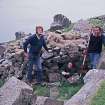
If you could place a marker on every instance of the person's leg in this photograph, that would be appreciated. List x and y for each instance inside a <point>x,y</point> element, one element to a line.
<point>30,68</point>
<point>91,58</point>
<point>96,60</point>
<point>39,71</point>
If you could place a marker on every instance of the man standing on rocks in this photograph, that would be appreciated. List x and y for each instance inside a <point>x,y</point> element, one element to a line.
<point>95,46</point>
<point>36,43</point>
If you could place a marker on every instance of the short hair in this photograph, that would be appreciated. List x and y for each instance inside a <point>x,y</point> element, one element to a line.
<point>98,28</point>
<point>39,27</point>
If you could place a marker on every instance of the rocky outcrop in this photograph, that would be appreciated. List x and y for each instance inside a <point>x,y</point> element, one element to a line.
<point>101,17</point>
<point>16,92</point>
<point>82,26</point>
<point>19,35</point>
<point>59,22</point>
<point>93,80</point>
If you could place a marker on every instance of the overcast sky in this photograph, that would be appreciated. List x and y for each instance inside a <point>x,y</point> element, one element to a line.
<point>24,15</point>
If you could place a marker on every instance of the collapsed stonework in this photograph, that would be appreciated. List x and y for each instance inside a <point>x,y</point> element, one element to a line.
<point>63,48</point>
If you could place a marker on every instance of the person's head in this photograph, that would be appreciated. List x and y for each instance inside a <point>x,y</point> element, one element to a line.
<point>97,30</point>
<point>70,65</point>
<point>39,30</point>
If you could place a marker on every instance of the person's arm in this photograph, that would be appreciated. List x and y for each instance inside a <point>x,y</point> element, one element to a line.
<point>44,45</point>
<point>103,39</point>
<point>25,44</point>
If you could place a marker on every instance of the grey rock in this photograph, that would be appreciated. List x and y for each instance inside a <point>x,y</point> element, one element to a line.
<point>50,101</point>
<point>59,22</point>
<point>94,75</point>
<point>54,77</point>
<point>16,92</point>
<point>54,92</point>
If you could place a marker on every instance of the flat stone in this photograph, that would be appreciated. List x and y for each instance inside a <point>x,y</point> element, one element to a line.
<point>54,92</point>
<point>54,77</point>
<point>53,102</point>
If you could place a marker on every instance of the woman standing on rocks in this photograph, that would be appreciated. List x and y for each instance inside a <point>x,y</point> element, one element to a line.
<point>36,43</point>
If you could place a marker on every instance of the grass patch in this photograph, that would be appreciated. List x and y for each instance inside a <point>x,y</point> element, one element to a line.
<point>1,83</point>
<point>66,91</point>
<point>41,90</point>
<point>99,98</point>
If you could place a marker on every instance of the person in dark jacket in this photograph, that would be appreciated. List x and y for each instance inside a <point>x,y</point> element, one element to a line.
<point>36,43</point>
<point>97,39</point>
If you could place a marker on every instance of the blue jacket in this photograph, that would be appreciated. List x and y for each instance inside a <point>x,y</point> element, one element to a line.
<point>35,44</point>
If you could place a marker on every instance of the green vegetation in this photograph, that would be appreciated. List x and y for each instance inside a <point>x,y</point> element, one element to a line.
<point>1,82</point>
<point>99,98</point>
<point>41,90</point>
<point>96,22</point>
<point>65,89</point>
<point>69,28</point>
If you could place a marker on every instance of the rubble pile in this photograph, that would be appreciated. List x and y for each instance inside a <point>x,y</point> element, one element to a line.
<point>12,62</point>
<point>69,38</point>
<point>63,48</point>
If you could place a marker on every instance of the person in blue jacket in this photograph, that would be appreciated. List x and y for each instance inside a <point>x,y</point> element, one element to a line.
<point>36,42</point>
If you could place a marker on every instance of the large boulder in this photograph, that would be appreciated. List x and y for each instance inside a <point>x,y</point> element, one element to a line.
<point>16,92</point>
<point>93,81</point>
<point>59,22</point>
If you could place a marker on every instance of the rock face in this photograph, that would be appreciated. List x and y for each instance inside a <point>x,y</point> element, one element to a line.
<point>93,80</point>
<point>60,22</point>
<point>16,92</point>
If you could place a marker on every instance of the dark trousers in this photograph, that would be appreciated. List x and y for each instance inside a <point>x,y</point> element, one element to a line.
<point>35,60</point>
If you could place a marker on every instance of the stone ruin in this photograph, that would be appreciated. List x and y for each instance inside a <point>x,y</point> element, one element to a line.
<point>62,50</point>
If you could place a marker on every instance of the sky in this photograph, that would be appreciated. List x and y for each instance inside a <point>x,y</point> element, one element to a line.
<point>24,15</point>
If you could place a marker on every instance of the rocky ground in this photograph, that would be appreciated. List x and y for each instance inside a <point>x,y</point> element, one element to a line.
<point>64,47</point>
